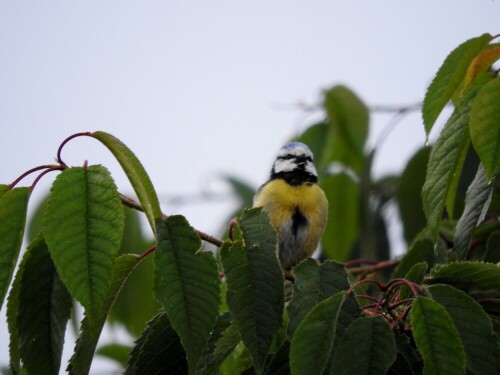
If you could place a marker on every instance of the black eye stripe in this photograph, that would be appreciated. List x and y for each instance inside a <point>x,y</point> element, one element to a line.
<point>289,157</point>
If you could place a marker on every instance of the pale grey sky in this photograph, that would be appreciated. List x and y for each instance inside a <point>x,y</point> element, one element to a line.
<point>198,88</point>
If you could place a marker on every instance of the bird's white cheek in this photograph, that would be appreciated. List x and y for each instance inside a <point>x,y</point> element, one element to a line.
<point>283,166</point>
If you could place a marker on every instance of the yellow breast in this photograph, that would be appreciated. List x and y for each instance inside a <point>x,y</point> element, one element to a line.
<point>281,200</point>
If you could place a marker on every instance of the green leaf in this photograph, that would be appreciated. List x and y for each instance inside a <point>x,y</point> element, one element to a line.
<point>255,292</point>
<point>43,312</point>
<point>348,119</point>
<point>408,360</point>
<point>83,229</point>
<point>368,347</point>
<point>86,344</point>
<point>136,174</point>
<point>13,307</point>
<point>313,340</point>
<point>444,162</point>
<point>485,126</point>
<point>13,207</point>
<point>223,340</point>
<point>416,275</point>
<point>477,201</point>
<point>482,350</point>
<point>186,283</point>
<point>449,77</point>
<point>421,250</point>
<point>139,286</point>
<point>342,228</point>
<point>158,350</point>
<point>467,275</point>
<point>278,363</point>
<point>313,283</point>
<point>437,338</point>
<point>408,194</point>
<point>116,352</point>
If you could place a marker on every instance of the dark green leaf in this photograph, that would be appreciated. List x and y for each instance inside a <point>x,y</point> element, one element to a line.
<point>482,350</point>
<point>87,341</point>
<point>44,310</point>
<point>255,284</point>
<point>368,347</point>
<point>13,207</point>
<point>437,338</point>
<point>158,350</point>
<point>467,275</point>
<point>485,126</point>
<point>279,363</point>
<point>223,339</point>
<point>416,275</point>
<point>477,201</point>
<point>83,229</point>
<point>313,283</point>
<point>408,360</point>
<point>115,352</point>
<point>493,248</point>
<point>187,284</point>
<point>314,337</point>
<point>136,174</point>
<point>408,194</point>
<point>449,77</point>
<point>13,306</point>
<point>444,162</point>
<point>421,250</point>
<point>348,120</point>
<point>342,228</point>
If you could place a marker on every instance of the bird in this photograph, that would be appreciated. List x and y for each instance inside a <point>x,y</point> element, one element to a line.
<point>297,207</point>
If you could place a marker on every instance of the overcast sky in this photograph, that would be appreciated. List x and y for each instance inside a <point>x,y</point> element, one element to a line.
<point>197,89</point>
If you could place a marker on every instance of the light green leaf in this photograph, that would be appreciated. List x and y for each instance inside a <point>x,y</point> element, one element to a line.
<point>445,161</point>
<point>313,283</point>
<point>477,201</point>
<point>348,119</point>
<point>43,312</point>
<point>158,350</point>
<point>186,283</point>
<point>83,228</point>
<point>367,347</point>
<point>482,350</point>
<point>13,207</point>
<point>255,292</point>
<point>485,126</point>
<point>314,337</point>
<point>136,174</point>
<point>449,77</point>
<point>86,343</point>
<point>467,275</point>
<point>437,338</point>
<point>342,228</point>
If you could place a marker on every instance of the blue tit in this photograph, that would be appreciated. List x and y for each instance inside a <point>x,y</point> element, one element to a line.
<point>296,205</point>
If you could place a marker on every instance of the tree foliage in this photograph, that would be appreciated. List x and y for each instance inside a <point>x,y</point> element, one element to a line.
<point>435,310</point>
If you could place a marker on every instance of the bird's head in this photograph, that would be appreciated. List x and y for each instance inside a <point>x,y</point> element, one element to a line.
<point>295,164</point>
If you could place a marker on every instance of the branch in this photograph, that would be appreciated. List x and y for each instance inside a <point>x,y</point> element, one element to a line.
<point>129,202</point>
<point>374,267</point>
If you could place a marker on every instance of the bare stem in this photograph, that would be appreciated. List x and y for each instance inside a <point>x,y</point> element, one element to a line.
<point>32,170</point>
<point>61,146</point>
